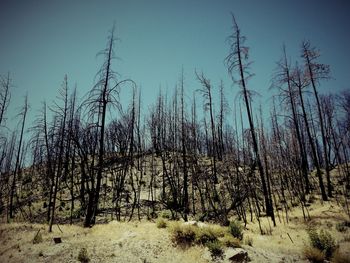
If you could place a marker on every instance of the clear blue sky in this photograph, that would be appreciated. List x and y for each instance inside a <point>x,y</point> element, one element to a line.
<point>41,41</point>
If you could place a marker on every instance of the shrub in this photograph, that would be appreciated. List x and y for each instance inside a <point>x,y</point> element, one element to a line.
<point>76,214</point>
<point>342,226</point>
<point>230,241</point>
<point>215,249</point>
<point>38,238</point>
<point>346,238</point>
<point>314,254</point>
<point>219,231</point>
<point>205,235</point>
<point>322,241</point>
<point>236,229</point>
<point>312,199</point>
<point>83,256</point>
<point>165,214</point>
<point>183,234</point>
<point>161,223</point>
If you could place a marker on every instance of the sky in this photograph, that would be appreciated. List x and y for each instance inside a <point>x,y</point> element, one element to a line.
<point>41,41</point>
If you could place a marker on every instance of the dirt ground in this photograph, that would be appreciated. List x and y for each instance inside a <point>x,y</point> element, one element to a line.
<point>144,242</point>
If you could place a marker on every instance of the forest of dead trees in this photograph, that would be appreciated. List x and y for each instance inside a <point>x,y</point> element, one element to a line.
<point>91,157</point>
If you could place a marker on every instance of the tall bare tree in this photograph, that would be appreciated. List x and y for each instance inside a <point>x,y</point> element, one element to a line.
<point>316,72</point>
<point>23,114</point>
<point>103,95</point>
<point>5,95</point>
<point>237,61</point>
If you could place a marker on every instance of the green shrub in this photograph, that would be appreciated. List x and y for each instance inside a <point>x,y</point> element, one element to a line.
<point>76,214</point>
<point>83,256</point>
<point>342,226</point>
<point>205,235</point>
<point>346,238</point>
<point>236,229</point>
<point>230,241</point>
<point>322,241</point>
<point>312,199</point>
<point>165,214</point>
<point>314,254</point>
<point>183,234</point>
<point>161,223</point>
<point>215,249</point>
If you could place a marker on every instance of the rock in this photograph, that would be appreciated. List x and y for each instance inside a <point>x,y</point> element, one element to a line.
<point>57,240</point>
<point>236,255</point>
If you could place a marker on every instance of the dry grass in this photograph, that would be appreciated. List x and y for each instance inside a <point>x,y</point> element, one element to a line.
<point>145,242</point>
<point>314,254</point>
<point>161,223</point>
<point>230,241</point>
<point>131,242</point>
<point>340,257</point>
<point>183,235</point>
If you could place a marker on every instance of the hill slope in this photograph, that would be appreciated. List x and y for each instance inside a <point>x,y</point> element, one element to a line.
<point>143,242</point>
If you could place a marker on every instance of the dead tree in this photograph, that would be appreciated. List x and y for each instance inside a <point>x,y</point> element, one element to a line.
<point>103,95</point>
<point>184,157</point>
<point>62,113</point>
<point>5,96</point>
<point>208,105</point>
<point>237,60</point>
<point>221,120</point>
<point>23,114</point>
<point>301,83</point>
<point>288,93</point>
<point>316,72</point>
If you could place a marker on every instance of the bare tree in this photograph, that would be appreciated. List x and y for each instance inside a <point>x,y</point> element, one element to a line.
<point>23,114</point>
<point>316,72</point>
<point>237,60</point>
<point>104,94</point>
<point>183,146</point>
<point>5,95</point>
<point>288,92</point>
<point>208,105</point>
<point>301,82</point>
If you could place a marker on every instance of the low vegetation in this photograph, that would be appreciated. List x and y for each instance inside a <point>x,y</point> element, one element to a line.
<point>343,226</point>
<point>183,235</point>
<point>216,249</point>
<point>230,241</point>
<point>322,241</point>
<point>214,237</point>
<point>236,229</point>
<point>340,257</point>
<point>161,223</point>
<point>83,256</point>
<point>314,254</point>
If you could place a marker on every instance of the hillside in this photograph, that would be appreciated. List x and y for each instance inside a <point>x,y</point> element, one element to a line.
<point>143,241</point>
